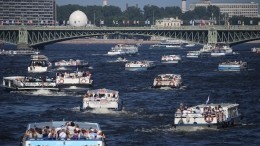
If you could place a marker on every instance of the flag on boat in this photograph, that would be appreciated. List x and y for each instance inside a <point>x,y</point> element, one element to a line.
<point>207,100</point>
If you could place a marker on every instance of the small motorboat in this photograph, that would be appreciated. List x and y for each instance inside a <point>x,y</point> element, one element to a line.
<point>232,66</point>
<point>29,83</point>
<point>101,99</point>
<point>74,79</point>
<point>139,65</point>
<point>167,80</point>
<point>170,58</point>
<point>39,64</point>
<point>217,115</point>
<point>63,133</point>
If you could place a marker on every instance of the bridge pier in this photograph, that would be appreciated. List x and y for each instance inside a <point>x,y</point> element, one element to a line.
<point>212,36</point>
<point>23,39</point>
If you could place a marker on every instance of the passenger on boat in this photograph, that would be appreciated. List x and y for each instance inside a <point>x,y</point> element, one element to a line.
<point>63,134</point>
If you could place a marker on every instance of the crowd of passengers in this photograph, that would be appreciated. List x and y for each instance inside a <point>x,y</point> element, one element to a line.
<point>39,79</point>
<point>166,77</point>
<point>74,75</point>
<point>97,95</point>
<point>184,110</point>
<point>71,131</point>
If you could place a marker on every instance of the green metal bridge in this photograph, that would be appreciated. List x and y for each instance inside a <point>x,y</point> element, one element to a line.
<point>36,37</point>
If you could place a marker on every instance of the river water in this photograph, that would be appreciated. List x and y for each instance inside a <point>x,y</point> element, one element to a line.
<point>148,113</point>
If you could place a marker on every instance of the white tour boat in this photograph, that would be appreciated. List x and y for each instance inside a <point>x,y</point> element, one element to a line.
<point>38,64</point>
<point>207,116</point>
<point>255,50</point>
<point>19,52</point>
<point>122,49</point>
<point>221,50</point>
<point>169,44</point>
<point>170,58</point>
<point>193,54</point>
<point>167,80</point>
<point>232,66</point>
<point>63,133</point>
<point>190,45</point>
<point>74,79</point>
<point>71,63</point>
<point>29,83</point>
<point>139,65</point>
<point>101,99</point>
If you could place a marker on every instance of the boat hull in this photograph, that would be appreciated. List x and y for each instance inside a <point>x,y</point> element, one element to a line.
<point>229,68</point>
<point>92,105</point>
<point>136,68</point>
<point>196,126</point>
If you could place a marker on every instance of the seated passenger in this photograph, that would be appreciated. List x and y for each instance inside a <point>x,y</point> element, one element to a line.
<point>197,110</point>
<point>52,135</point>
<point>63,134</point>
<point>71,127</point>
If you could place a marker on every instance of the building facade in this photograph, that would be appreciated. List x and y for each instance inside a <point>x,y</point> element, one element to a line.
<point>27,12</point>
<point>233,9</point>
<point>168,22</point>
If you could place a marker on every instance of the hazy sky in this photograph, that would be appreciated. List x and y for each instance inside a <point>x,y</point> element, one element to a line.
<point>141,3</point>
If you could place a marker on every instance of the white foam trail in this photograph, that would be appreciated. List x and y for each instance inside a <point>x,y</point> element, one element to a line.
<point>90,67</point>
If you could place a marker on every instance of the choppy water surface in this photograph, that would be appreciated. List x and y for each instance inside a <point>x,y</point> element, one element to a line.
<point>148,115</point>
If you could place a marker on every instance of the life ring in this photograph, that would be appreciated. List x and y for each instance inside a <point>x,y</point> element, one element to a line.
<point>61,81</point>
<point>208,118</point>
<point>83,81</point>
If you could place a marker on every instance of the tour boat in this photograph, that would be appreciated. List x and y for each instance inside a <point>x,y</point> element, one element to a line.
<point>74,79</point>
<point>207,116</point>
<point>232,66</point>
<point>38,64</point>
<point>190,45</point>
<point>19,52</point>
<point>256,50</point>
<point>221,51</point>
<point>29,83</point>
<point>167,80</point>
<point>169,44</point>
<point>139,65</point>
<point>71,63</point>
<point>121,49</point>
<point>101,99</point>
<point>193,54</point>
<point>63,133</point>
<point>170,58</point>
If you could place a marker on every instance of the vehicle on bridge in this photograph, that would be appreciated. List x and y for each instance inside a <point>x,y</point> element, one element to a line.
<point>39,64</point>
<point>123,49</point>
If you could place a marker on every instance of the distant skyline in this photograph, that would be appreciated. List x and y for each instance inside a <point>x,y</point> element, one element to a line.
<point>142,3</point>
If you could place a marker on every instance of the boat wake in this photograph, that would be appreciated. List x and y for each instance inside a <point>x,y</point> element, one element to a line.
<point>41,93</point>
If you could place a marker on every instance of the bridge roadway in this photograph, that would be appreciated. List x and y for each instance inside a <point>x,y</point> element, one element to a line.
<point>36,36</point>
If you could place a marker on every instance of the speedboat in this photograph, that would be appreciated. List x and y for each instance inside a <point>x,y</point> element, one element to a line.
<point>29,83</point>
<point>101,99</point>
<point>232,66</point>
<point>190,45</point>
<point>74,79</point>
<point>167,80</point>
<point>256,50</point>
<point>193,54</point>
<point>63,133</point>
<point>207,116</point>
<point>170,58</point>
<point>38,64</point>
<point>122,49</point>
<point>71,63</point>
<point>121,59</point>
<point>139,65</point>
<point>19,52</point>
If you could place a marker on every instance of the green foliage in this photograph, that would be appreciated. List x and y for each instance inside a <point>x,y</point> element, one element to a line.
<point>114,16</point>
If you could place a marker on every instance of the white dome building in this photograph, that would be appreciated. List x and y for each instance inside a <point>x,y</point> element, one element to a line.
<point>78,19</point>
